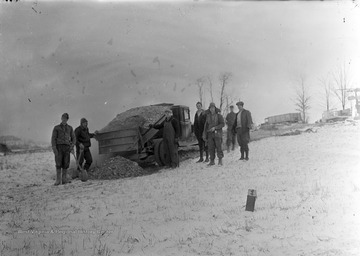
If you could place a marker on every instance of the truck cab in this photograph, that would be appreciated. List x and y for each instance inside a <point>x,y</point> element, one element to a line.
<point>182,114</point>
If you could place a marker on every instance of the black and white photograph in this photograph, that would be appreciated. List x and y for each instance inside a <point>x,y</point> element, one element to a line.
<point>184,127</point>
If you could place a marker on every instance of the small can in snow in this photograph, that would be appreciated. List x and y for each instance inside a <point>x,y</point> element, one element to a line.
<point>250,202</point>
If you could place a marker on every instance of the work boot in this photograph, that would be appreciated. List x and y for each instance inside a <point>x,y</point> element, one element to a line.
<point>64,177</point>
<point>211,163</point>
<point>247,155</point>
<point>242,155</point>
<point>200,160</point>
<point>220,161</point>
<point>207,157</point>
<point>58,177</point>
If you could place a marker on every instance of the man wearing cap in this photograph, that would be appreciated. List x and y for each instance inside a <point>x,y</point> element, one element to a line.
<point>230,136</point>
<point>171,135</point>
<point>241,127</point>
<point>83,145</point>
<point>199,122</point>
<point>62,142</point>
<point>213,133</point>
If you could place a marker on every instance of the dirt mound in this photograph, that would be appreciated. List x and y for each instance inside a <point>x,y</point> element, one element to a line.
<point>136,117</point>
<point>116,168</point>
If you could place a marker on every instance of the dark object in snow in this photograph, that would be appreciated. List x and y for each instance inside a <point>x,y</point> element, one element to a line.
<point>296,132</point>
<point>250,202</point>
<point>4,149</point>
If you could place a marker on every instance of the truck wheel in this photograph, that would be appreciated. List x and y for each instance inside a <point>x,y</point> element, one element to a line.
<point>157,144</point>
<point>159,152</point>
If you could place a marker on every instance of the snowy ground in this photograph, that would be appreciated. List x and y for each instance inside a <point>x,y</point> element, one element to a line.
<point>308,190</point>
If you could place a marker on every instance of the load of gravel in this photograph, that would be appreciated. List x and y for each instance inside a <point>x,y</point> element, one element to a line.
<point>116,168</point>
<point>136,117</point>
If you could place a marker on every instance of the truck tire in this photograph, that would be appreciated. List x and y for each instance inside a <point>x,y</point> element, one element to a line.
<point>159,152</point>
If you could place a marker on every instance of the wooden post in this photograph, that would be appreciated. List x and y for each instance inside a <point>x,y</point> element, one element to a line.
<point>251,198</point>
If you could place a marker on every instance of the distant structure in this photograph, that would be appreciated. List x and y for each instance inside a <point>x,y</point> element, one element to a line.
<point>355,112</point>
<point>272,121</point>
<point>285,118</point>
<point>334,115</point>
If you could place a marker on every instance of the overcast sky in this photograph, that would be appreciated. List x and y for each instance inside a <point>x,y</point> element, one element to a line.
<point>97,59</point>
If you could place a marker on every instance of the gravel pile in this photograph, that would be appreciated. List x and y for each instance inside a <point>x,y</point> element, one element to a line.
<point>116,168</point>
<point>136,117</point>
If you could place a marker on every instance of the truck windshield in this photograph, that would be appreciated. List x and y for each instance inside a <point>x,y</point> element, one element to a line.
<point>186,114</point>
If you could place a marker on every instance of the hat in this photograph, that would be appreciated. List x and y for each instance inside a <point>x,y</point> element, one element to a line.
<point>212,104</point>
<point>83,120</point>
<point>240,103</point>
<point>66,115</point>
<point>168,110</point>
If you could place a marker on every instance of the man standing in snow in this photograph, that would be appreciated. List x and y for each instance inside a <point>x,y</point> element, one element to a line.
<point>230,136</point>
<point>241,127</point>
<point>62,142</point>
<point>83,145</point>
<point>199,122</point>
<point>171,135</point>
<point>213,133</point>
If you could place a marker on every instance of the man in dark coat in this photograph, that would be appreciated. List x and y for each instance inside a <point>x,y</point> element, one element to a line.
<point>83,144</point>
<point>241,127</point>
<point>62,142</point>
<point>230,136</point>
<point>199,122</point>
<point>171,133</point>
<point>213,133</point>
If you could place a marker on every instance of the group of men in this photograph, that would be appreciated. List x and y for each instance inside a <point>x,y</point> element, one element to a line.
<point>63,140</point>
<point>208,126</point>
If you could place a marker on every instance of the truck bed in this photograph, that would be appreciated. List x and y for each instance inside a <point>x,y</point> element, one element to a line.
<point>121,141</point>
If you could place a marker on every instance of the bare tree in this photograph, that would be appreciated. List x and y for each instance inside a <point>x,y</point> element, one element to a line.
<point>211,89</point>
<point>228,102</point>
<point>200,82</point>
<point>326,88</point>
<point>302,100</point>
<point>341,85</point>
<point>224,79</point>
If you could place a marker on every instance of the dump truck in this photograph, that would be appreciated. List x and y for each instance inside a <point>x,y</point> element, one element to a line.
<point>145,144</point>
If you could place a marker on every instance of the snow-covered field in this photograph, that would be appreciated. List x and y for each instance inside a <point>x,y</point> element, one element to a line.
<point>308,189</point>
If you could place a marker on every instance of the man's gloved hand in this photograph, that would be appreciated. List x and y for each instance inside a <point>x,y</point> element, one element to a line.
<point>81,146</point>
<point>55,150</point>
<point>96,133</point>
<point>212,129</point>
<point>176,140</point>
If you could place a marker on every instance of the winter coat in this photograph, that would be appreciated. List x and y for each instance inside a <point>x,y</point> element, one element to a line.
<point>246,121</point>
<point>213,120</point>
<point>166,133</point>
<point>63,135</point>
<point>199,122</point>
<point>83,136</point>
<point>230,119</point>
